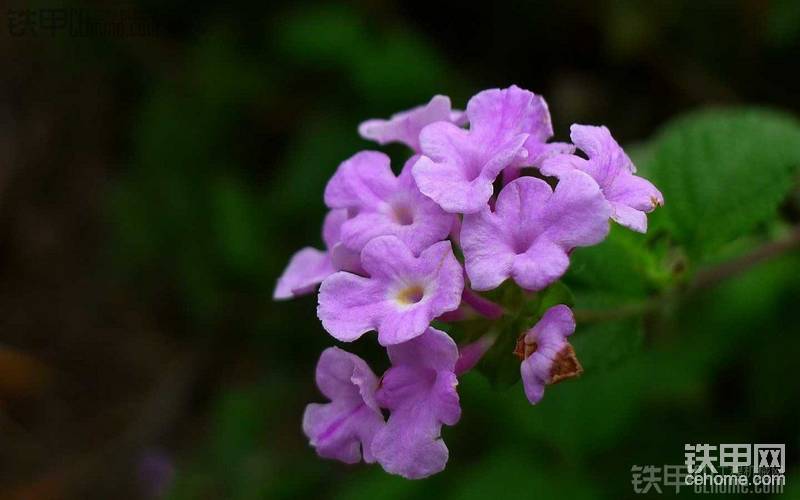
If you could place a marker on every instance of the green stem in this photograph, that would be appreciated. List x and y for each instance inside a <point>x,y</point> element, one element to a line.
<point>705,279</point>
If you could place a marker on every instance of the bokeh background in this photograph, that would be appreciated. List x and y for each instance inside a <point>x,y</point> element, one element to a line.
<point>152,188</point>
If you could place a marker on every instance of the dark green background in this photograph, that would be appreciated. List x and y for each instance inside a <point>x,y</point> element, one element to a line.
<point>153,188</point>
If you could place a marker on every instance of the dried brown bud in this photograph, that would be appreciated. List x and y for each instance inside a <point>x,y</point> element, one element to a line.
<point>565,365</point>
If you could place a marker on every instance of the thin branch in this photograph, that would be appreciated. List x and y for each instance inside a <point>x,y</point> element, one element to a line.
<point>714,275</point>
<point>706,278</point>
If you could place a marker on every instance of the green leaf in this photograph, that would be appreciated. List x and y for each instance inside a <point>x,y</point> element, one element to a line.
<point>622,264</point>
<point>722,172</point>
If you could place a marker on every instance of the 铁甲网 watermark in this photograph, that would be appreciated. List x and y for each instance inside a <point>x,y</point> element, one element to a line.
<point>724,468</point>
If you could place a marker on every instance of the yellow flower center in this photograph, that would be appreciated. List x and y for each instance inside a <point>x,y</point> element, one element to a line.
<point>410,295</point>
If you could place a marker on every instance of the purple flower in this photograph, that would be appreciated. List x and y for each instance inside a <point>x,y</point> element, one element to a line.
<point>309,266</point>
<point>529,235</point>
<point>345,427</point>
<point>420,391</point>
<point>458,167</point>
<point>382,204</point>
<point>546,355</point>
<point>405,126</point>
<point>630,196</point>
<point>401,296</point>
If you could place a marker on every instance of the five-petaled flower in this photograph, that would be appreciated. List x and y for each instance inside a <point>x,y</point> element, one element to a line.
<point>399,299</point>
<point>531,231</point>
<point>631,197</point>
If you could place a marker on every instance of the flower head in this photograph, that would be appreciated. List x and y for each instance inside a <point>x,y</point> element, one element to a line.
<point>458,167</point>
<point>309,266</point>
<point>401,296</point>
<point>390,265</point>
<point>529,235</point>
<point>405,126</point>
<point>382,204</point>
<point>631,197</point>
<point>345,427</point>
<point>420,392</point>
<point>546,355</point>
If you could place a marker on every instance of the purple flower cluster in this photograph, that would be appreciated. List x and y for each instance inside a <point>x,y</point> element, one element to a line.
<point>390,263</point>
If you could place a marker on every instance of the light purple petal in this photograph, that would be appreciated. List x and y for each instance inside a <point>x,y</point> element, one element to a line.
<point>496,115</point>
<point>405,126</point>
<point>345,427</point>
<point>458,117</point>
<point>533,228</point>
<point>458,167</point>
<point>332,227</point>
<point>578,206</point>
<point>489,253</point>
<point>548,340</point>
<point>350,305</point>
<point>344,259</point>
<point>364,180</point>
<point>559,165</point>
<point>435,350</point>
<point>542,264</point>
<point>420,392</point>
<point>401,296</point>
<point>307,268</point>
<point>631,198</point>
<point>597,142</point>
<point>631,218</point>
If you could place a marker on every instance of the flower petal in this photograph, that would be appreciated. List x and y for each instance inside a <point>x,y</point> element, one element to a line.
<point>307,268</point>
<point>332,227</point>
<point>364,180</point>
<point>350,305</point>
<point>405,126</point>
<point>499,114</point>
<point>543,263</point>
<point>577,212</point>
<point>489,257</point>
